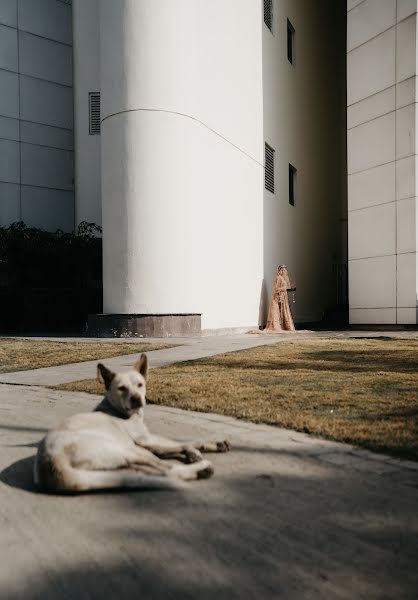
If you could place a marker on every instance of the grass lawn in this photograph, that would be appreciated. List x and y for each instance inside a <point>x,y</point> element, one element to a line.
<point>19,355</point>
<point>362,391</point>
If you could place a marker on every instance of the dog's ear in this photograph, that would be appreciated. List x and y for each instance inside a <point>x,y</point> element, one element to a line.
<point>142,365</point>
<point>105,375</point>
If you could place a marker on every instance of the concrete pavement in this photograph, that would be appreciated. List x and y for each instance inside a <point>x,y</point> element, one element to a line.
<point>286,515</point>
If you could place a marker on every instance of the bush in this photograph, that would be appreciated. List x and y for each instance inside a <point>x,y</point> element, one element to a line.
<point>49,282</point>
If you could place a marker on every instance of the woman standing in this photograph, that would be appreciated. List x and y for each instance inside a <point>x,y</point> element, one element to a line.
<point>280,316</point>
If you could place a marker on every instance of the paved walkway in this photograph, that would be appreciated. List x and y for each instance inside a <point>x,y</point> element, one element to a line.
<point>285,516</point>
<point>188,349</point>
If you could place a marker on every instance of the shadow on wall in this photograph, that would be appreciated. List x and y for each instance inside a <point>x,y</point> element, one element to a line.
<point>263,305</point>
<point>262,533</point>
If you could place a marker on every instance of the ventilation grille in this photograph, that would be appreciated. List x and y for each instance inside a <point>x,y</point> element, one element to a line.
<point>94,113</point>
<point>269,168</point>
<point>268,13</point>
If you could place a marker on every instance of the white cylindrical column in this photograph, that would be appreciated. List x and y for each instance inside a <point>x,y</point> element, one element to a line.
<point>182,173</point>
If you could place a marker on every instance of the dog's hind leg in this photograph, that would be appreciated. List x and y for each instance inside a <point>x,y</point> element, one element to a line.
<point>82,480</point>
<point>144,461</point>
<point>198,470</point>
<point>65,478</point>
<point>57,474</point>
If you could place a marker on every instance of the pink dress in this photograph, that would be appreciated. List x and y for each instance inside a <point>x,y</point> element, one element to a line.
<point>279,315</point>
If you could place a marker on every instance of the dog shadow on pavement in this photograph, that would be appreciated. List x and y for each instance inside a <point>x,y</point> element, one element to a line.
<point>20,474</point>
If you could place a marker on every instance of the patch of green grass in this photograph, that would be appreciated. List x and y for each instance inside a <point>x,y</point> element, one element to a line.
<point>361,391</point>
<point>20,355</point>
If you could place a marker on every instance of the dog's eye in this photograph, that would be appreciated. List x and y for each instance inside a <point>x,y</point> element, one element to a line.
<point>140,384</point>
<point>122,388</point>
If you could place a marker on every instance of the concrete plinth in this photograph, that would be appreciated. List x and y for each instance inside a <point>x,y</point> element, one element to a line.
<point>115,325</point>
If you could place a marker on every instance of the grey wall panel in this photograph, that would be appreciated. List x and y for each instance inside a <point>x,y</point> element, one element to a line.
<point>45,102</point>
<point>9,161</point>
<point>8,12</point>
<point>9,94</point>
<point>9,129</point>
<point>36,114</point>
<point>8,48</point>
<point>10,203</point>
<point>45,135</point>
<point>47,167</point>
<point>48,209</point>
<point>45,59</point>
<point>47,18</point>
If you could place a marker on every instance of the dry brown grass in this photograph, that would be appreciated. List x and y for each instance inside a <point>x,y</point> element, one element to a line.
<point>362,391</point>
<point>20,355</point>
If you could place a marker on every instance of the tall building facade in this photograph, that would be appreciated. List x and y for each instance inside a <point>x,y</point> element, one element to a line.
<point>36,114</point>
<point>211,145</point>
<point>382,160</point>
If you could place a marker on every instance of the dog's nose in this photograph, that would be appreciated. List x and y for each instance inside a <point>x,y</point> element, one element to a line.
<point>136,401</point>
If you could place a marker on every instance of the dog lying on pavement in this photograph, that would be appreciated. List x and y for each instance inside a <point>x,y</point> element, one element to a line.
<point>112,447</point>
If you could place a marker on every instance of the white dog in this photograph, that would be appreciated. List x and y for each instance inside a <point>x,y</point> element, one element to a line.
<point>112,447</point>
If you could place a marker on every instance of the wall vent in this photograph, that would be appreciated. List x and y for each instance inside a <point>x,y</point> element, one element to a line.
<point>269,168</point>
<point>94,113</point>
<point>268,14</point>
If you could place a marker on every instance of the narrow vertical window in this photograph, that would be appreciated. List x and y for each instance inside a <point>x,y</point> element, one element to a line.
<point>269,168</point>
<point>94,113</point>
<point>292,184</point>
<point>268,14</point>
<point>290,43</point>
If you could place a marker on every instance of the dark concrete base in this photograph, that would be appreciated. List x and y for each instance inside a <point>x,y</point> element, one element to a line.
<point>393,327</point>
<point>109,326</point>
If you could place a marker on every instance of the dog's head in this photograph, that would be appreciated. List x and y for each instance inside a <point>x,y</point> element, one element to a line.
<point>125,391</point>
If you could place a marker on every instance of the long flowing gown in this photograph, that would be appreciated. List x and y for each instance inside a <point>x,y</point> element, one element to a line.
<point>279,315</point>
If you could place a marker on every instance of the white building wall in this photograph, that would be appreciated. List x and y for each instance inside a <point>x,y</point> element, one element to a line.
<point>182,158</point>
<point>304,121</point>
<point>36,122</point>
<point>382,149</point>
<point>88,205</point>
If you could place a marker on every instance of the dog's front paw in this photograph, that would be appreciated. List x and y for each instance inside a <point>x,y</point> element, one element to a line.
<point>223,446</point>
<point>192,455</point>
